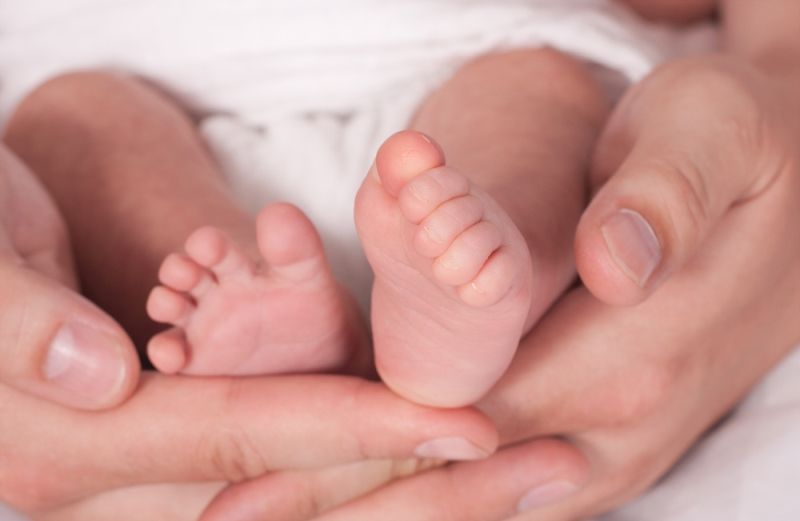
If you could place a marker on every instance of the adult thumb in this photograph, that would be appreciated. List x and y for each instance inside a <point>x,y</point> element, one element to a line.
<point>56,345</point>
<point>674,159</point>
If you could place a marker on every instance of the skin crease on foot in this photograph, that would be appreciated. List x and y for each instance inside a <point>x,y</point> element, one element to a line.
<point>236,313</point>
<point>453,279</point>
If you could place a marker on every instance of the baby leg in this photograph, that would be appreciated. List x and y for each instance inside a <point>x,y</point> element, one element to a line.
<point>470,252</point>
<point>135,181</point>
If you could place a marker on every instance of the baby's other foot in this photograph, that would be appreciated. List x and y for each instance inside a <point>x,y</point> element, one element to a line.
<point>237,315</point>
<point>453,274</point>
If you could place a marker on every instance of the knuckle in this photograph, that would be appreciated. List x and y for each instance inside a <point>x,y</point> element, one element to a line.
<point>700,82</point>
<point>232,455</point>
<point>228,447</point>
<point>684,201</point>
<point>736,112</point>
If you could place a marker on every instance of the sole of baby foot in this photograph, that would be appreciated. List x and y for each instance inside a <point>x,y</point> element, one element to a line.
<point>453,275</point>
<point>233,314</point>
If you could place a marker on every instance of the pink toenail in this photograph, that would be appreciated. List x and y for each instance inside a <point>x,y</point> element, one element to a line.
<point>373,172</point>
<point>433,142</point>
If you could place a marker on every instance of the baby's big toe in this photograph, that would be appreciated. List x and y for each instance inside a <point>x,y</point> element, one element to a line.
<point>404,156</point>
<point>290,244</point>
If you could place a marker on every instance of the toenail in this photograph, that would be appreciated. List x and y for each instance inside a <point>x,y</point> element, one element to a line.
<point>476,288</point>
<point>373,172</point>
<point>85,361</point>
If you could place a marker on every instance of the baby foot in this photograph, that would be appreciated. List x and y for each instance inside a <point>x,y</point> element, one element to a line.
<point>453,274</point>
<point>235,315</point>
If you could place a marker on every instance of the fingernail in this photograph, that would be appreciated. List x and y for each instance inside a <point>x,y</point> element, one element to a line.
<point>633,245</point>
<point>84,361</point>
<point>453,448</point>
<point>546,494</point>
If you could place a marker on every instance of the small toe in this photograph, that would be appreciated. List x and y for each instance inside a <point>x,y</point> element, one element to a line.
<point>180,272</point>
<point>290,244</point>
<point>437,232</point>
<point>405,155</point>
<point>168,306</point>
<point>426,192</point>
<point>493,282</point>
<point>213,249</point>
<point>467,254</point>
<point>168,351</point>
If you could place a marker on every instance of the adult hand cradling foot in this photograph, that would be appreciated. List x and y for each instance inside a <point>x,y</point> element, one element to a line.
<point>688,250</point>
<point>705,151</point>
<point>55,344</point>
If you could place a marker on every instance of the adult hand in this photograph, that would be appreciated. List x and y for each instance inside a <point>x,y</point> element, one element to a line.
<point>705,151</point>
<point>54,343</point>
<point>184,430</point>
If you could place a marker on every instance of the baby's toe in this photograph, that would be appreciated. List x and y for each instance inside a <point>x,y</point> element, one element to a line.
<point>213,249</point>
<point>437,232</point>
<point>404,156</point>
<point>180,272</point>
<point>168,306</point>
<point>168,351</point>
<point>426,192</point>
<point>465,257</point>
<point>494,280</point>
<point>289,243</point>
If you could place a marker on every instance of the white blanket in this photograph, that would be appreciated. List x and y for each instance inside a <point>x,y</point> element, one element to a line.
<point>294,97</point>
<point>297,94</point>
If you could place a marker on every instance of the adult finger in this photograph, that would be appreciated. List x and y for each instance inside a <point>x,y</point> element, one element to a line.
<point>189,429</point>
<point>682,148</point>
<point>162,501</point>
<point>590,365</point>
<point>298,496</point>
<point>516,479</point>
<point>58,346</point>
